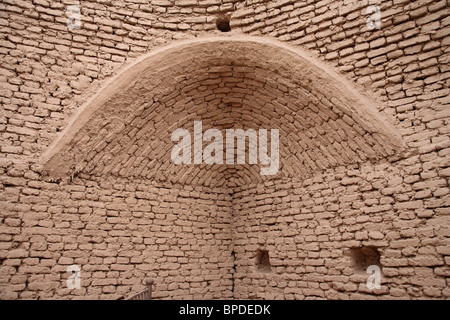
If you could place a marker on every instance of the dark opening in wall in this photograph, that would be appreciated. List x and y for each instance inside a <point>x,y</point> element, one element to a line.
<point>223,23</point>
<point>263,261</point>
<point>364,257</point>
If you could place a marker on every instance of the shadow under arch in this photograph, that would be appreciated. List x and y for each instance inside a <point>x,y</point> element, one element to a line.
<point>227,82</point>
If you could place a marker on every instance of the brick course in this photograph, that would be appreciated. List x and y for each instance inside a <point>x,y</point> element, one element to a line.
<point>123,212</point>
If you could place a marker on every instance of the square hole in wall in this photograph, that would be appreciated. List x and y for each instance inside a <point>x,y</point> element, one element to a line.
<point>364,257</point>
<point>263,261</point>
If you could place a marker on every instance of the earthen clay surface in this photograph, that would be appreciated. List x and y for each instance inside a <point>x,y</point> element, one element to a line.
<point>85,171</point>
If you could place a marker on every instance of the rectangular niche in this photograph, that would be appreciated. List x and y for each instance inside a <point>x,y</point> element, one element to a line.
<point>364,257</point>
<point>263,261</point>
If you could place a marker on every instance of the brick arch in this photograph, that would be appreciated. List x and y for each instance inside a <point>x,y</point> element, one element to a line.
<point>227,82</point>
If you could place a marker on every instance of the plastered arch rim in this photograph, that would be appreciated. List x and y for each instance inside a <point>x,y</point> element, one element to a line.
<point>365,106</point>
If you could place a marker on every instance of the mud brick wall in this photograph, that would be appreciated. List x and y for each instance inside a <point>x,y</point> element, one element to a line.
<point>310,227</point>
<point>119,234</point>
<point>228,233</point>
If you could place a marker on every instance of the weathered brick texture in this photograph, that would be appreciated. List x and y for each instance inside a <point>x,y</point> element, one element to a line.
<point>123,212</point>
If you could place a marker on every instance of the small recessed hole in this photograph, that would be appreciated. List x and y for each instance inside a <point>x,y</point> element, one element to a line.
<point>263,261</point>
<point>364,257</point>
<point>223,23</point>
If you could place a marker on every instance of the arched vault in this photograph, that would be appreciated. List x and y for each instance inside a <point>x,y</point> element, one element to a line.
<point>225,82</point>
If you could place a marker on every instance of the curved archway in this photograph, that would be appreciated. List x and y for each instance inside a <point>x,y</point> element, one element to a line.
<point>232,82</point>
